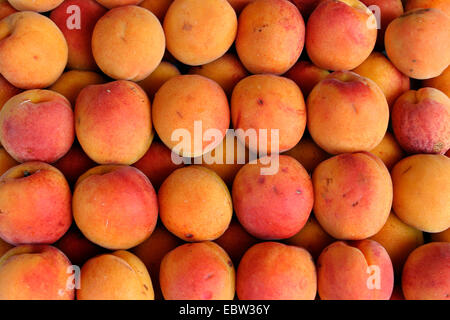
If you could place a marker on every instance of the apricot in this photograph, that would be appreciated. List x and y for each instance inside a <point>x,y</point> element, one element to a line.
<point>227,71</point>
<point>308,153</point>
<point>128,43</point>
<point>380,70</point>
<point>353,195</point>
<point>77,248</point>
<point>35,204</point>
<point>32,5</point>
<point>157,163</point>
<point>274,206</point>
<point>356,270</point>
<point>306,75</point>
<point>158,7</point>
<point>388,10</point>
<point>7,91</point>
<point>197,271</point>
<point>426,274</point>
<point>152,251</point>
<point>35,272</point>
<point>421,121</point>
<point>113,122</point>
<point>33,51</point>
<point>442,5</point>
<point>399,240</point>
<point>422,192</point>
<point>118,3</point>
<point>185,109</point>
<point>227,158</point>
<point>6,9</point>
<point>443,236</point>
<point>72,82</point>
<point>198,31</point>
<point>270,37</point>
<point>347,113</point>
<point>441,82</point>
<point>236,241</point>
<point>119,275</point>
<point>37,125</point>
<point>389,151</point>
<point>158,77</point>
<point>76,19</point>
<point>312,237</point>
<point>417,43</point>
<point>6,161</point>
<point>115,206</point>
<point>275,271</point>
<point>186,212</point>
<point>266,104</point>
<point>339,35</point>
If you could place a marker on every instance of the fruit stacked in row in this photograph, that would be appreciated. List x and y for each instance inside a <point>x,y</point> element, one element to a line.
<point>117,155</point>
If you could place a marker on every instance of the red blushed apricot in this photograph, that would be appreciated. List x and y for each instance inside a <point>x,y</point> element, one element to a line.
<point>119,275</point>
<point>426,274</point>
<point>77,26</point>
<point>113,122</point>
<point>185,109</point>
<point>388,11</point>
<point>275,271</point>
<point>306,75</point>
<point>157,78</point>
<point>417,43</point>
<point>197,271</point>
<point>74,164</point>
<point>356,270</point>
<point>157,164</point>
<point>389,151</point>
<point>153,250</point>
<point>33,51</point>
<point>115,206</point>
<point>353,195</point>
<point>308,153</point>
<point>399,240</point>
<point>441,82</point>
<point>443,236</point>
<point>38,6</point>
<point>7,91</point>
<point>442,5</point>
<point>347,113</point>
<point>4,247</point>
<point>306,7</point>
<point>186,212</point>
<point>274,206</point>
<point>35,272</point>
<point>381,71</point>
<point>128,43</point>
<point>227,71</point>
<point>266,103</point>
<point>72,82</point>
<point>37,125</point>
<point>199,31</point>
<point>270,37</point>
<point>236,241</point>
<point>6,9</point>
<point>34,204</point>
<point>118,3</point>
<point>421,121</point>
<point>339,35</point>
<point>227,158</point>
<point>312,237</point>
<point>6,161</point>
<point>77,248</point>
<point>158,7</point>
<point>422,191</point>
